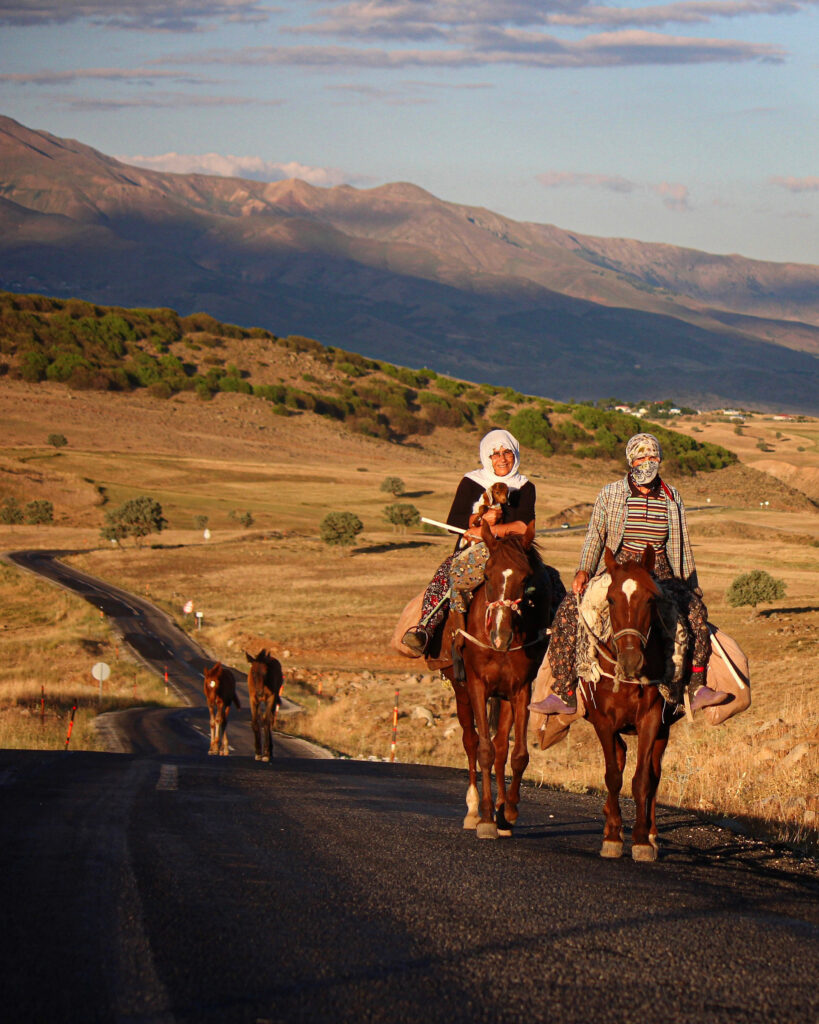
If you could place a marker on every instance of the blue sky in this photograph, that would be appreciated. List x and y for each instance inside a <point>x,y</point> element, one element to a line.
<point>693,122</point>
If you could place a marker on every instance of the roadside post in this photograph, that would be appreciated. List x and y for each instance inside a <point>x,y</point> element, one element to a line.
<point>42,706</point>
<point>199,617</point>
<point>166,680</point>
<point>70,726</point>
<point>394,727</point>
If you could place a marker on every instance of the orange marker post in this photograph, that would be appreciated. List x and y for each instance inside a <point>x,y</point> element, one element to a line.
<point>166,679</point>
<point>394,727</point>
<point>70,727</point>
<point>42,705</point>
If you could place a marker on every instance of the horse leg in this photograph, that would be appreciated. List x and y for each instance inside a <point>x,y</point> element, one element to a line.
<point>214,747</point>
<point>224,749</point>
<point>470,741</point>
<point>267,723</point>
<point>644,786</point>
<point>254,724</point>
<point>657,752</point>
<point>520,754</point>
<point>501,745</point>
<point>486,827</point>
<point>614,752</point>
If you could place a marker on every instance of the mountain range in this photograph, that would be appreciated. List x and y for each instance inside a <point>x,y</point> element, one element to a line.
<point>395,273</point>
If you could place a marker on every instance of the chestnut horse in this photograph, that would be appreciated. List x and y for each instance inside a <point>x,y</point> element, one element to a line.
<point>501,647</point>
<point>627,700</point>
<point>264,686</point>
<point>220,692</point>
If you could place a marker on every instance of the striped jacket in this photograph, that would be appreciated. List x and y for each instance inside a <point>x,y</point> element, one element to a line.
<point>608,523</point>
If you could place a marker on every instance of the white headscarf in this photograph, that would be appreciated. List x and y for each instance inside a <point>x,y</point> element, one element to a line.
<point>486,476</point>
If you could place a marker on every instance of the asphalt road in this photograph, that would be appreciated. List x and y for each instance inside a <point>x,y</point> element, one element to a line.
<point>156,640</point>
<point>220,889</point>
<point>162,887</point>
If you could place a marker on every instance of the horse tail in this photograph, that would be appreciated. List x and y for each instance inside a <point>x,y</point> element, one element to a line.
<point>493,714</point>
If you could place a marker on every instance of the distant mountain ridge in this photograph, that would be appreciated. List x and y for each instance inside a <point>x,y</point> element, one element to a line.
<point>395,273</point>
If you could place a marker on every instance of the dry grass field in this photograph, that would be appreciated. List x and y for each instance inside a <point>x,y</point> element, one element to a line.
<point>328,614</point>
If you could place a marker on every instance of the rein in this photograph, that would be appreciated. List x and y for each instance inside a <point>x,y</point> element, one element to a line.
<point>487,647</point>
<point>601,647</point>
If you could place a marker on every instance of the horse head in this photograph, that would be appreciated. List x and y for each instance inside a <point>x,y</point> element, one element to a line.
<point>631,597</point>
<point>506,573</point>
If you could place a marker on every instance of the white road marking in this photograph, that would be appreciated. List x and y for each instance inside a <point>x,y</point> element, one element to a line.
<point>168,777</point>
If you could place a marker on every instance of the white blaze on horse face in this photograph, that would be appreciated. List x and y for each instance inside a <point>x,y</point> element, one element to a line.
<point>213,684</point>
<point>629,587</point>
<point>499,611</point>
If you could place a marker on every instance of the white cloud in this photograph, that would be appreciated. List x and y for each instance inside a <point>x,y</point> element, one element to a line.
<point>673,195</point>
<point>164,15</point>
<point>252,167</point>
<point>613,183</point>
<point>797,184</point>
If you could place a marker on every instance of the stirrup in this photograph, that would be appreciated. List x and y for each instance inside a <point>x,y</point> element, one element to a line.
<point>417,639</point>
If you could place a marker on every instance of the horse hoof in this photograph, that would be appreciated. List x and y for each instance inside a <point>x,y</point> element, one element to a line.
<point>654,839</point>
<point>487,830</point>
<point>504,826</point>
<point>266,757</point>
<point>258,757</point>
<point>611,848</point>
<point>644,852</point>
<point>471,820</point>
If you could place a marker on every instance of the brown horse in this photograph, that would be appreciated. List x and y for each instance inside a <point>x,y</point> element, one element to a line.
<point>626,700</point>
<point>220,692</point>
<point>501,647</point>
<point>264,686</point>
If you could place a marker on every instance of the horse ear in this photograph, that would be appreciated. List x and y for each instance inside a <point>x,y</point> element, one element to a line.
<point>251,660</point>
<point>529,536</point>
<point>608,558</point>
<point>487,536</point>
<point>649,559</point>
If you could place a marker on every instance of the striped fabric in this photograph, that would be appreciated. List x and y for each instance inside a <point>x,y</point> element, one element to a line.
<point>607,526</point>
<point>646,523</point>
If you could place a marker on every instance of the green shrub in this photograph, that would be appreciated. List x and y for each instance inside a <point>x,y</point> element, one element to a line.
<point>393,485</point>
<point>402,515</point>
<point>136,518</point>
<point>10,512</point>
<point>39,511</point>
<point>753,588</point>
<point>57,440</point>
<point>340,528</point>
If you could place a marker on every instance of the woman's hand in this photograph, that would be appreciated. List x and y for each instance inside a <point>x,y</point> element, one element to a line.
<point>581,578</point>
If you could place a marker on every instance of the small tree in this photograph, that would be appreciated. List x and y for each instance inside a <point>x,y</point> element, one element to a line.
<point>340,528</point>
<point>58,440</point>
<point>393,485</point>
<point>10,512</point>
<point>40,511</point>
<point>402,515</point>
<point>246,519</point>
<point>200,522</point>
<point>136,518</point>
<point>753,588</point>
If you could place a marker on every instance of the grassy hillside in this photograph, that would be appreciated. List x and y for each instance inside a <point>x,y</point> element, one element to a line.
<point>101,348</point>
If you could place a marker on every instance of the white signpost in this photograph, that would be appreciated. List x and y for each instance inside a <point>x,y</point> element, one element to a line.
<point>199,616</point>
<point>101,671</point>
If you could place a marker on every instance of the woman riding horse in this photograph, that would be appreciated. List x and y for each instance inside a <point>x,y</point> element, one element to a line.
<point>463,570</point>
<point>636,510</point>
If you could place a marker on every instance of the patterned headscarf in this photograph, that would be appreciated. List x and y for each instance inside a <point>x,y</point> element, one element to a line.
<point>641,446</point>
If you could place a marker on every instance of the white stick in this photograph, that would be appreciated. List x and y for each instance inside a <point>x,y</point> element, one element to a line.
<point>444,526</point>
<point>721,652</point>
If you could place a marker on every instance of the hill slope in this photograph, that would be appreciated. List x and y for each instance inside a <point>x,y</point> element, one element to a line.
<point>395,273</point>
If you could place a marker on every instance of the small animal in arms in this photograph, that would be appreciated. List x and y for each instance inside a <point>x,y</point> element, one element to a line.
<point>495,496</point>
<point>220,693</point>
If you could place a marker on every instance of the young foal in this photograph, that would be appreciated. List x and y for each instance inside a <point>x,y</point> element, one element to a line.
<point>636,655</point>
<point>220,692</point>
<point>503,647</point>
<point>264,685</point>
